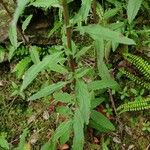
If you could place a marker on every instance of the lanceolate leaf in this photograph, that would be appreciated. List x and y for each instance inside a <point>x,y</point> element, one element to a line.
<point>103,84</point>
<point>63,97</point>
<point>97,32</point>
<point>132,9</point>
<point>2,54</point>
<point>97,101</point>
<point>26,22</point>
<point>47,90</point>
<point>84,99</point>
<point>34,54</point>
<point>3,143</point>
<point>61,130</point>
<point>65,137</point>
<point>33,71</point>
<point>82,52</point>
<point>78,126</point>
<point>111,13</point>
<point>101,66</point>
<point>21,4</point>
<point>100,122</point>
<point>22,140</point>
<point>22,66</point>
<point>49,146</point>
<point>13,36</point>
<point>58,68</point>
<point>83,12</point>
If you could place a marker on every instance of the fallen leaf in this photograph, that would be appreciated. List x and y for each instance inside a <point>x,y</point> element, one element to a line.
<point>64,147</point>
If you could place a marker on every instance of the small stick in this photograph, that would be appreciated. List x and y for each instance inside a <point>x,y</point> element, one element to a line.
<point>115,110</point>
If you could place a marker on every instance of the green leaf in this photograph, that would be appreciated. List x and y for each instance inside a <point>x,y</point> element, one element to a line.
<point>102,68</point>
<point>3,143</point>
<point>78,126</point>
<point>65,137</point>
<point>26,22</point>
<point>97,101</point>
<point>84,100</point>
<point>33,71</point>
<point>21,67</point>
<point>98,31</point>
<point>83,12</point>
<point>13,36</point>
<point>110,13</point>
<point>45,3</point>
<point>132,9</point>
<point>61,130</point>
<point>11,51</point>
<point>21,4</point>
<point>82,52</point>
<point>100,122</point>
<point>47,90</point>
<point>58,68</point>
<point>57,25</point>
<point>22,139</point>
<point>82,72</point>
<point>2,54</point>
<point>49,145</point>
<point>116,26</point>
<point>63,97</point>
<point>103,84</point>
<point>64,110</point>
<point>34,54</point>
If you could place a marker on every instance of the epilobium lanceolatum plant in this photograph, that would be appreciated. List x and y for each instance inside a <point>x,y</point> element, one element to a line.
<point>79,87</point>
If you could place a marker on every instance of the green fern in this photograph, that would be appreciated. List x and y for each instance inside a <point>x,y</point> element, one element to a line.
<point>136,79</point>
<point>135,105</point>
<point>143,67</point>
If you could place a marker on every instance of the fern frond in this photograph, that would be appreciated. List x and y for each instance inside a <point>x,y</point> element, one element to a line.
<point>136,79</point>
<point>137,105</point>
<point>142,65</point>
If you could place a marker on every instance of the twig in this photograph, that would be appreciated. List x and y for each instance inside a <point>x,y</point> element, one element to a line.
<point>115,110</point>
<point>148,147</point>
<point>112,101</point>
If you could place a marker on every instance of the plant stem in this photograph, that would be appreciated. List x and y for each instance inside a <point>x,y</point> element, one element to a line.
<point>94,11</point>
<point>72,62</point>
<point>10,15</point>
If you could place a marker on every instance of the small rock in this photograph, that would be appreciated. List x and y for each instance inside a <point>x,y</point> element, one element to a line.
<point>46,115</point>
<point>1,83</point>
<point>131,147</point>
<point>31,119</point>
<point>116,140</point>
